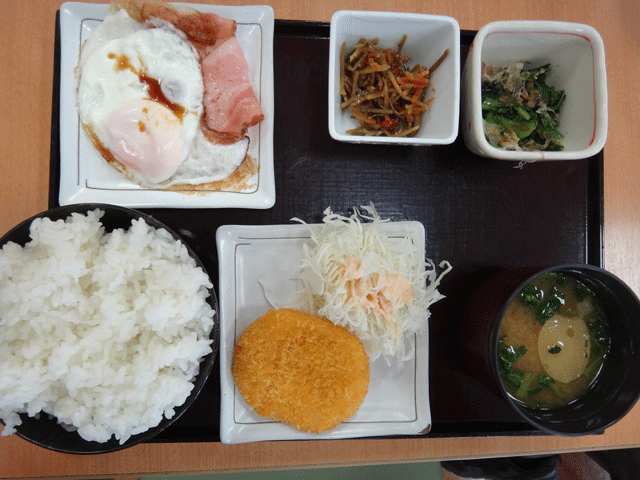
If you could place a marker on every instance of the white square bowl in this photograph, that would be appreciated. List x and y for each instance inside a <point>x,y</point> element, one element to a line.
<point>428,36</point>
<point>576,54</point>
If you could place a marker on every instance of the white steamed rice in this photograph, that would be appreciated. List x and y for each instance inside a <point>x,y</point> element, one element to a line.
<point>103,331</point>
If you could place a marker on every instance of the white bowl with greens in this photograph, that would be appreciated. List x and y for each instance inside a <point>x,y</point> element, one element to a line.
<point>535,90</point>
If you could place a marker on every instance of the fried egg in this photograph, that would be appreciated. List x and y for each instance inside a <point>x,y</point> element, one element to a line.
<point>139,97</point>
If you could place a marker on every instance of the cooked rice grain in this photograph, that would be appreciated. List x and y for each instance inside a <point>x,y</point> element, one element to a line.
<point>103,331</point>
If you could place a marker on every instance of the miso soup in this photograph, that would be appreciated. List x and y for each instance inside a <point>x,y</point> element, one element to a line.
<point>553,341</point>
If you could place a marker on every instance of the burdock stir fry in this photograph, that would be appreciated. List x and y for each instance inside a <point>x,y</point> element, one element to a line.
<point>520,110</point>
<point>385,95</point>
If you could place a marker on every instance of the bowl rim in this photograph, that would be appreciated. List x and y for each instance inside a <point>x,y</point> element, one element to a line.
<point>600,87</point>
<point>454,52</point>
<point>521,410</point>
<point>206,363</point>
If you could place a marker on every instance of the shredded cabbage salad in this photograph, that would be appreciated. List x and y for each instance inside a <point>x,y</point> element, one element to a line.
<point>377,287</point>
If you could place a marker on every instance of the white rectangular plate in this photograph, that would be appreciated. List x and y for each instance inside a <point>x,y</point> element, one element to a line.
<point>86,177</point>
<point>251,256</point>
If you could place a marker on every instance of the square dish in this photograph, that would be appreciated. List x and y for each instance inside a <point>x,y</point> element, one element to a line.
<point>252,256</point>
<point>86,177</point>
<point>576,55</point>
<point>428,36</point>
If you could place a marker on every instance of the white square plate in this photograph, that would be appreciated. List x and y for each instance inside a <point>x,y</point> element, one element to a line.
<point>86,177</point>
<point>251,256</point>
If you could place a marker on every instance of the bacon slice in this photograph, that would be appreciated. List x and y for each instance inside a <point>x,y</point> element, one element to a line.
<point>230,104</point>
<point>203,29</point>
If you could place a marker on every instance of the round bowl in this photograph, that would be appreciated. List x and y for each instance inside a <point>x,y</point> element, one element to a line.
<point>44,430</point>
<point>616,388</point>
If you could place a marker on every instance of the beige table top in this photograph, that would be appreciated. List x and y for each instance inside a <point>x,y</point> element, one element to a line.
<point>26,73</point>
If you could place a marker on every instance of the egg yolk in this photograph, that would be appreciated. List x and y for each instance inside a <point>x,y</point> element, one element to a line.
<point>147,137</point>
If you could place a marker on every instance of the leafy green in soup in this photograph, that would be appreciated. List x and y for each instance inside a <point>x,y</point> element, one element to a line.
<point>553,341</point>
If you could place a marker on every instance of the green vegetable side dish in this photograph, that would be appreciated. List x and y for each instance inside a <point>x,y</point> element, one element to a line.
<point>519,109</point>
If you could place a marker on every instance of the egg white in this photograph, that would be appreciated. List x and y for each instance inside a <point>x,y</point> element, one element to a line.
<point>108,83</point>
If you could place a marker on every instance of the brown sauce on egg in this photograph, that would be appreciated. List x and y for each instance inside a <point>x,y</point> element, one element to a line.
<point>104,151</point>
<point>122,62</point>
<point>155,94</point>
<point>153,85</point>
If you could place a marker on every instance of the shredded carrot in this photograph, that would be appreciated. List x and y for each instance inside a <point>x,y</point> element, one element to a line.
<point>416,95</point>
<point>381,92</point>
<point>362,118</point>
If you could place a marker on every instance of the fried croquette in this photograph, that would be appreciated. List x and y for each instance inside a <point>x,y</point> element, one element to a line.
<point>301,369</point>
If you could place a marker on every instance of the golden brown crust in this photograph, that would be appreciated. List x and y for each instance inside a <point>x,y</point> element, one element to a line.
<point>301,369</point>
<point>238,181</point>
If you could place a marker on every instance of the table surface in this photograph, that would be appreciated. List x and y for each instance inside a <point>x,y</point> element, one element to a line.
<point>27,39</point>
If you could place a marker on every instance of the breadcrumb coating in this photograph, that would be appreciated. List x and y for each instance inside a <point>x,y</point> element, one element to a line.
<point>301,369</point>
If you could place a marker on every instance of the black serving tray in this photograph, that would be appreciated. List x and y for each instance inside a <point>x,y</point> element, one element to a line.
<point>481,215</point>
